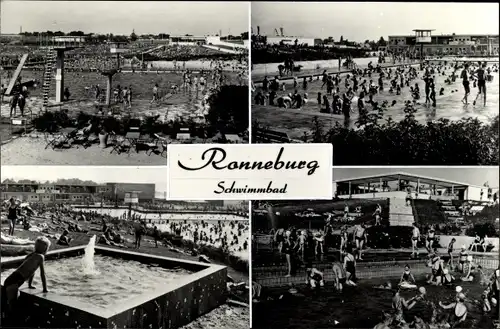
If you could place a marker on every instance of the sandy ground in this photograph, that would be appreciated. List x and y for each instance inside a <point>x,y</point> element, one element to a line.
<point>223,317</point>
<point>31,151</point>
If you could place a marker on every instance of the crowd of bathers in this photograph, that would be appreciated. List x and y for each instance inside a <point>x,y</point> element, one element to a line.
<point>368,89</point>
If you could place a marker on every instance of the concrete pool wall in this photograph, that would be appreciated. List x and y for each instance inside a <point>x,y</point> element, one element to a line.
<point>274,276</point>
<point>169,306</point>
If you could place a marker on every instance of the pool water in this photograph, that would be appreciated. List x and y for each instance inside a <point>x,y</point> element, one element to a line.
<point>357,307</point>
<point>116,279</point>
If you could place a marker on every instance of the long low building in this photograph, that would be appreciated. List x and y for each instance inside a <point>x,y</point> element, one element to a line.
<point>474,44</point>
<point>397,184</point>
<point>74,193</point>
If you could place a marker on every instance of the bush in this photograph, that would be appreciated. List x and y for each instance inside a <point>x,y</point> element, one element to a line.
<point>51,121</point>
<point>273,54</point>
<point>228,111</point>
<point>408,142</point>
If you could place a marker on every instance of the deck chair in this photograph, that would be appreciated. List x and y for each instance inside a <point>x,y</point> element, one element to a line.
<point>151,143</point>
<point>120,145</point>
<point>161,145</point>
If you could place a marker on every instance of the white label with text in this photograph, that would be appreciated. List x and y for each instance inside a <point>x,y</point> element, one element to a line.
<point>255,171</point>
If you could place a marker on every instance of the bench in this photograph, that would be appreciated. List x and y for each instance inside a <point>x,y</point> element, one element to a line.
<point>270,136</point>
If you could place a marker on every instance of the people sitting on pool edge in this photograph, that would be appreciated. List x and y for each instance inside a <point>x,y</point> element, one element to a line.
<point>407,278</point>
<point>26,271</point>
<point>314,276</point>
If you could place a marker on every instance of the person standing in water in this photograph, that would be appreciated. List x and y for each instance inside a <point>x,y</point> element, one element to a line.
<point>340,275</point>
<point>350,266</point>
<point>466,83</point>
<point>360,239</point>
<point>481,74</point>
<point>415,237</point>
<point>450,252</point>
<point>12,215</point>
<point>431,236</point>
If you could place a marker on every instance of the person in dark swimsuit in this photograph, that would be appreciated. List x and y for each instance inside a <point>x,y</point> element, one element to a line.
<point>340,275</point>
<point>481,83</point>
<point>465,82</point>
<point>314,277</point>
<point>287,250</point>
<point>462,259</point>
<point>431,236</point>
<point>459,310</point>
<point>12,215</point>
<point>450,252</point>
<point>407,276</point>
<point>350,265</point>
<point>437,270</point>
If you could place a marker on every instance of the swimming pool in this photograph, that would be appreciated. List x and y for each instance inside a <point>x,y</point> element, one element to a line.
<point>356,307</point>
<point>116,280</point>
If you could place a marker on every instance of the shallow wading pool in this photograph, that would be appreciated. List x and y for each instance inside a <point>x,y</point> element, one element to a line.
<point>358,307</point>
<point>132,290</point>
<point>116,279</point>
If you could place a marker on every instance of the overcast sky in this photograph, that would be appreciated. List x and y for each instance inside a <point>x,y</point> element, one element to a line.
<point>474,176</point>
<point>361,21</point>
<point>197,18</point>
<point>155,175</point>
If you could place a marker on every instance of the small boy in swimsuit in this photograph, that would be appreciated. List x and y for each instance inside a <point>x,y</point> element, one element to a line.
<point>25,272</point>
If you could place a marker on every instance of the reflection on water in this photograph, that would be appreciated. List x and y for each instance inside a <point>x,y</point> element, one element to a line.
<point>118,280</point>
<point>359,307</point>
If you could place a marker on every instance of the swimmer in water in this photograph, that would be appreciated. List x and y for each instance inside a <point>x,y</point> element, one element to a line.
<point>468,269</point>
<point>386,322</point>
<point>459,310</point>
<point>447,277</point>
<point>407,277</point>
<point>399,304</point>
<point>314,277</point>
<point>436,263</point>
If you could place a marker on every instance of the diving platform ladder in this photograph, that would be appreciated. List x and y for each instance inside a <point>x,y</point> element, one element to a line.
<point>47,75</point>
